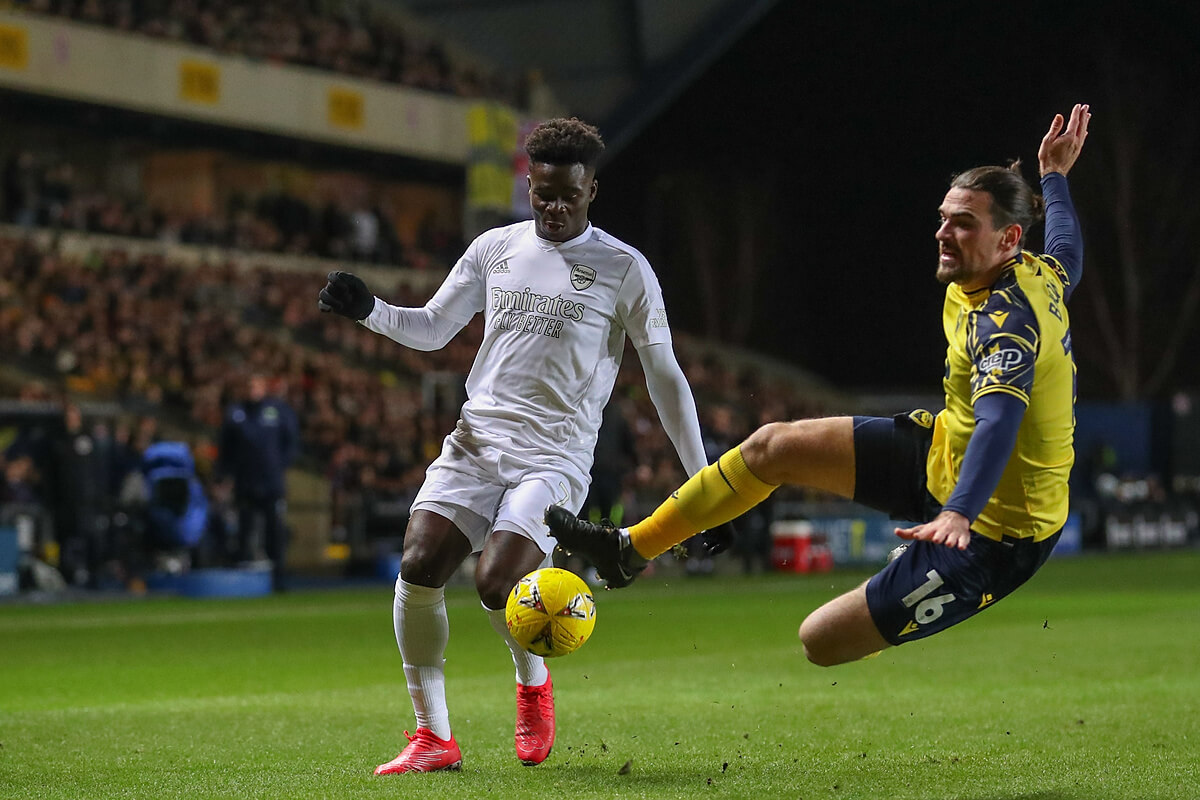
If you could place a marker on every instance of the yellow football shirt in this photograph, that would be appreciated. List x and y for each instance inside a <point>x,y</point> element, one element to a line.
<point>1014,337</point>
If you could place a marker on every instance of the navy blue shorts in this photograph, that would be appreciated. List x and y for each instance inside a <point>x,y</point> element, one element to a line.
<point>930,587</point>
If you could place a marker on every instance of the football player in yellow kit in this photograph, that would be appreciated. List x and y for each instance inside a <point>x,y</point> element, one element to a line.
<point>986,478</point>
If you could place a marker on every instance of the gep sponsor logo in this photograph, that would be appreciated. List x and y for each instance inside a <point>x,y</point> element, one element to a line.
<point>1001,360</point>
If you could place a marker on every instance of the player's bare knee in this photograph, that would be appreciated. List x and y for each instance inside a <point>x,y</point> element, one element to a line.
<point>494,600</point>
<point>762,450</point>
<point>420,565</point>
<point>493,587</point>
<point>811,637</point>
<point>822,658</point>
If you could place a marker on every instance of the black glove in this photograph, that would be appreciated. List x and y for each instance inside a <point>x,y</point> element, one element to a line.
<point>346,294</point>
<point>718,539</point>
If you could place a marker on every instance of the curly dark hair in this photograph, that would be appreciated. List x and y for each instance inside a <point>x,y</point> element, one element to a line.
<point>1013,201</point>
<point>565,141</point>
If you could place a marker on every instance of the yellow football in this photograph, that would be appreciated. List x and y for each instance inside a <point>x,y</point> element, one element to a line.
<point>551,612</point>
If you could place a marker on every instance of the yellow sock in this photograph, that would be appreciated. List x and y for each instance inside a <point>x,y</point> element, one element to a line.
<point>716,494</point>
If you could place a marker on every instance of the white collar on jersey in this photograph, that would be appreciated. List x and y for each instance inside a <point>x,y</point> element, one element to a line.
<point>546,244</point>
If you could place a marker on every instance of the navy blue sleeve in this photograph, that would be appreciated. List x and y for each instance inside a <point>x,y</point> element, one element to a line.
<point>997,418</point>
<point>1064,238</point>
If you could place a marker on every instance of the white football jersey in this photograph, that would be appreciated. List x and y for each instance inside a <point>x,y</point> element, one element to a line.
<point>556,315</point>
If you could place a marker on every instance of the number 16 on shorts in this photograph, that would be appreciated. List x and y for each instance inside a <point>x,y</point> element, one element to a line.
<point>926,606</point>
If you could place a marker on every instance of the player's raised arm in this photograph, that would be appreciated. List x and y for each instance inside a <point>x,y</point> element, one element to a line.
<point>1061,147</point>
<point>1056,156</point>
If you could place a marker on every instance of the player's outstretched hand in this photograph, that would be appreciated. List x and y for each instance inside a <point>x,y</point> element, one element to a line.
<point>1061,147</point>
<point>949,528</point>
<point>719,539</point>
<point>346,294</point>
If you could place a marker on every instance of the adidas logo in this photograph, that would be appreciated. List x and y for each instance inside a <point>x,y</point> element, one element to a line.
<point>502,269</point>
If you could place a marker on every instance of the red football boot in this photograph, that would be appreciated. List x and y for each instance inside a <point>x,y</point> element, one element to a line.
<point>535,722</point>
<point>425,753</point>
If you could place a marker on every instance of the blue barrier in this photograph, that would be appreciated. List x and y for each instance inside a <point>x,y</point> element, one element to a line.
<point>387,566</point>
<point>1070,543</point>
<point>213,583</point>
<point>858,539</point>
<point>866,538</point>
<point>9,558</point>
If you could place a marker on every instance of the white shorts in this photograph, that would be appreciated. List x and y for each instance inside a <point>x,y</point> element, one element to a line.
<point>483,489</point>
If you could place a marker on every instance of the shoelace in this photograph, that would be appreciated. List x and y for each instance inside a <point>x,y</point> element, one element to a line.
<point>427,752</point>
<point>531,702</point>
<point>424,737</point>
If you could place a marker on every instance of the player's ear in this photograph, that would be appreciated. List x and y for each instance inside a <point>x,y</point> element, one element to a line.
<point>592,194</point>
<point>1011,237</point>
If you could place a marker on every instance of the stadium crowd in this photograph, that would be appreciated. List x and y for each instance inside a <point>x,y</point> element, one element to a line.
<point>170,344</point>
<point>352,37</point>
<point>44,191</point>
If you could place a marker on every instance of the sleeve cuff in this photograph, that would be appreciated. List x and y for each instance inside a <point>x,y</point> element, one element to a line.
<point>374,309</point>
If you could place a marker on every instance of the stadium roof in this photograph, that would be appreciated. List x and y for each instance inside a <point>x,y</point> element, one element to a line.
<point>617,63</point>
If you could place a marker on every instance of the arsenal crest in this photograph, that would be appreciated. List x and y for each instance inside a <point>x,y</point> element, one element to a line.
<point>582,276</point>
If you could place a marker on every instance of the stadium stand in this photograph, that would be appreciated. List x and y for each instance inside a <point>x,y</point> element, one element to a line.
<point>164,339</point>
<point>352,37</point>
<point>44,190</point>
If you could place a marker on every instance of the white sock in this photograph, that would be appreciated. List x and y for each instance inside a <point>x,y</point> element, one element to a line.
<point>422,632</point>
<point>531,669</point>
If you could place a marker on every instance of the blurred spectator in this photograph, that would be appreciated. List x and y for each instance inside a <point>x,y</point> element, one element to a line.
<point>364,238</point>
<point>176,506</point>
<point>615,457</point>
<point>80,499</point>
<point>20,480</point>
<point>22,189</point>
<point>57,193</point>
<point>258,442</point>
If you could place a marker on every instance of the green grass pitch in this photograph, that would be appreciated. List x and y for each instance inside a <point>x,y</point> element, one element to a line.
<point>1084,684</point>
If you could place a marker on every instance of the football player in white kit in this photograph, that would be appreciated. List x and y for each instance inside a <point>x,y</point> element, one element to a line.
<point>558,296</point>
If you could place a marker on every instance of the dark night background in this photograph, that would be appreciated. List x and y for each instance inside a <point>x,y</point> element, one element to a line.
<point>849,119</point>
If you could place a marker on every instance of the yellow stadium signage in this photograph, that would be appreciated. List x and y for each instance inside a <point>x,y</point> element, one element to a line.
<point>492,134</point>
<point>199,82</point>
<point>14,47</point>
<point>489,186</point>
<point>347,109</point>
<point>491,124</point>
